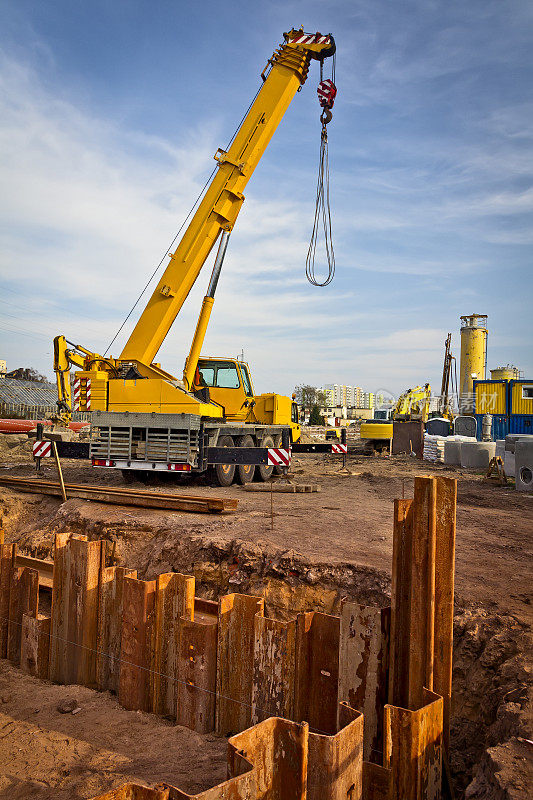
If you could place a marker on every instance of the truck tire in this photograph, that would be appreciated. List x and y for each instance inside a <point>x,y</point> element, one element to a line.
<point>262,472</point>
<point>223,474</point>
<point>244,472</point>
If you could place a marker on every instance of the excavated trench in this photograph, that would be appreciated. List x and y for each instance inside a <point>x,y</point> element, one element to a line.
<point>491,679</point>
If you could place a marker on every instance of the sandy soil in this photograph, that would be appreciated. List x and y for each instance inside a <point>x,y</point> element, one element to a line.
<point>46,754</point>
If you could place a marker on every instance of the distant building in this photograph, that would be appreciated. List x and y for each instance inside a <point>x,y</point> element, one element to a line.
<point>339,395</point>
<point>3,369</point>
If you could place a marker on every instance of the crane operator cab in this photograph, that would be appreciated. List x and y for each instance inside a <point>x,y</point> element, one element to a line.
<point>229,384</point>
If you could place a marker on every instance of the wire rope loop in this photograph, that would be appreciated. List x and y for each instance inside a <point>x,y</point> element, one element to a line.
<point>322,215</point>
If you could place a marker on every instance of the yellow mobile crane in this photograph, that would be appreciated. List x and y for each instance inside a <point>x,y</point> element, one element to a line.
<point>143,417</point>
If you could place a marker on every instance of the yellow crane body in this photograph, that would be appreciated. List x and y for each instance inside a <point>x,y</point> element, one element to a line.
<point>134,383</point>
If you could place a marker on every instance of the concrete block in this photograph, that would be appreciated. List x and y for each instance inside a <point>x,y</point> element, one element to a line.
<point>477,455</point>
<point>524,465</point>
<point>512,438</point>
<point>500,448</point>
<point>465,426</point>
<point>452,451</point>
<point>509,464</point>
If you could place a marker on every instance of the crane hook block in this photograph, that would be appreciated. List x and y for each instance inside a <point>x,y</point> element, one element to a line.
<point>326,91</point>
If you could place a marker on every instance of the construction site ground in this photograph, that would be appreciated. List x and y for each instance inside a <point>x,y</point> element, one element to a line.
<point>301,552</point>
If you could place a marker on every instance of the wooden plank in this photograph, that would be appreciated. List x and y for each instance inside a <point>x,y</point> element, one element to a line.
<point>59,615</point>
<point>400,602</point>
<point>278,750</point>
<point>273,669</point>
<point>335,768</point>
<point>317,670</point>
<point>236,632</point>
<point>413,749</point>
<point>135,658</point>
<point>44,568</point>
<point>196,673</point>
<point>174,599</point>
<point>23,599</point>
<point>7,555</point>
<point>35,645</point>
<point>444,593</point>
<point>364,669</point>
<point>110,626</point>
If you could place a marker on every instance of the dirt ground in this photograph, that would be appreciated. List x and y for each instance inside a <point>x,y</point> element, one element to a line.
<point>302,551</point>
<point>48,754</point>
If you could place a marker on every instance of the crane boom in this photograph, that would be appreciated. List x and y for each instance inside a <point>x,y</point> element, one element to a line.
<point>286,72</point>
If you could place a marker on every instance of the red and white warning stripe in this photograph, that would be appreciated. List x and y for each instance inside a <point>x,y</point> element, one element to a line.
<point>279,457</point>
<point>76,392</point>
<point>310,38</point>
<point>337,447</point>
<point>88,394</point>
<point>42,449</point>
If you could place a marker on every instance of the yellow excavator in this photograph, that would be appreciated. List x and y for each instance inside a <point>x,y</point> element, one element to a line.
<point>143,417</point>
<point>412,405</point>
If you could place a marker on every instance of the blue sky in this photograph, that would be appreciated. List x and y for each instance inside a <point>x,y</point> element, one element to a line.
<point>110,114</point>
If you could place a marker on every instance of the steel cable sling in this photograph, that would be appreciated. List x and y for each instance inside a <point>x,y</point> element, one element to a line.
<point>326,96</point>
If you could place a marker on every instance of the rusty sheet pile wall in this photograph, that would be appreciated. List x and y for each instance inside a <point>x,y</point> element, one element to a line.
<point>320,707</point>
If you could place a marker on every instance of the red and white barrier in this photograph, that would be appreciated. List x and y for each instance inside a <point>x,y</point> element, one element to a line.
<point>42,449</point>
<point>279,457</point>
<point>337,447</point>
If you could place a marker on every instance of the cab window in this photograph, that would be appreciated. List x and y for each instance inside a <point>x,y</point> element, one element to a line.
<point>220,374</point>
<point>246,381</point>
<point>294,413</point>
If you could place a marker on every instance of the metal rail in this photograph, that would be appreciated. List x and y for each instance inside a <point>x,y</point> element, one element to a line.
<point>128,497</point>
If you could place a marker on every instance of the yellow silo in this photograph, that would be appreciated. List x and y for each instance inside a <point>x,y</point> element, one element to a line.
<point>508,373</point>
<point>474,335</point>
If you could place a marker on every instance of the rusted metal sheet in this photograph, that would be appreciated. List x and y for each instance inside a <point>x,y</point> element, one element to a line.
<point>174,599</point>
<point>377,782</point>
<point>74,625</point>
<point>400,602</point>
<point>7,556</point>
<point>35,645</point>
<point>273,672</point>
<point>236,629</point>
<point>422,591</point>
<point>444,592</point>
<point>59,616</point>
<point>23,599</point>
<point>197,672</point>
<point>364,669</point>
<point>335,769</point>
<point>278,751</point>
<point>135,658</point>
<point>317,670</point>
<point>110,625</point>
<point>413,749</point>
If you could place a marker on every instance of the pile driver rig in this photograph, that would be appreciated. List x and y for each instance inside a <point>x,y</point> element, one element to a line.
<point>143,417</point>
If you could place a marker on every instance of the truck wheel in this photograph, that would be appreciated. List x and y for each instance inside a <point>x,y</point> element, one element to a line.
<point>264,473</point>
<point>223,474</point>
<point>245,472</point>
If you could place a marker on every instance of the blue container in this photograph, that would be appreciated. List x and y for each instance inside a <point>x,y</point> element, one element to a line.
<point>521,423</point>
<point>500,426</point>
